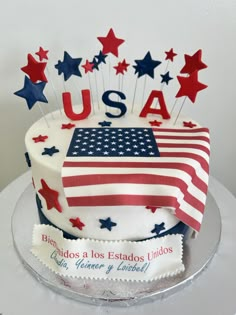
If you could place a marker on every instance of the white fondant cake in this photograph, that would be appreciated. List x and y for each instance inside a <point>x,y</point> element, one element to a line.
<point>113,184</point>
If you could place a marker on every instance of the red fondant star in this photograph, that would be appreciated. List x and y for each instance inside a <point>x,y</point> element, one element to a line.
<point>155,123</point>
<point>35,69</point>
<point>193,63</point>
<point>77,223</point>
<point>189,124</point>
<point>40,138</point>
<point>121,67</point>
<point>190,86</point>
<point>42,54</point>
<point>50,196</point>
<point>110,43</point>
<point>88,66</point>
<point>153,209</point>
<point>170,54</point>
<point>67,126</point>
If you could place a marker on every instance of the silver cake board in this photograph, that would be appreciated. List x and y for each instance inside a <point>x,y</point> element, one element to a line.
<point>198,253</point>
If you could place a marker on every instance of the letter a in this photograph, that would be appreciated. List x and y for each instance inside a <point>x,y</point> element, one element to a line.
<point>68,108</point>
<point>158,111</point>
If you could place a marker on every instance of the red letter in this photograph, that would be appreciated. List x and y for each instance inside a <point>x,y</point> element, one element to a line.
<point>159,111</point>
<point>67,104</point>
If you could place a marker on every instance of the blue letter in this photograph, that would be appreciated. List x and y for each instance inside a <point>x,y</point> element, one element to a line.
<point>107,101</point>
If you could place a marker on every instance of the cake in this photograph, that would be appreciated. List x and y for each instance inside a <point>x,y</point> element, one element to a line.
<point>115,181</point>
<point>119,179</point>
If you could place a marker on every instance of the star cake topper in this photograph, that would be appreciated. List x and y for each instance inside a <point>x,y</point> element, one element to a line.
<point>193,63</point>
<point>69,66</point>
<point>146,65</point>
<point>32,92</point>
<point>43,54</point>
<point>190,86</point>
<point>110,43</point>
<point>35,69</point>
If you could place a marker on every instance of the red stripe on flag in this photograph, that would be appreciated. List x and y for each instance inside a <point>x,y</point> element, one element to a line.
<point>187,219</point>
<point>184,145</point>
<point>195,130</point>
<point>168,137</point>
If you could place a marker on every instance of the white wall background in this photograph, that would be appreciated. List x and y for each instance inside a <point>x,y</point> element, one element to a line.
<point>154,25</point>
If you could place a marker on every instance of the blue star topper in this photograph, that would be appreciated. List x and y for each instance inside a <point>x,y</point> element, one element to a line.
<point>69,66</point>
<point>95,64</point>
<point>166,78</point>
<point>158,228</point>
<point>50,151</point>
<point>101,57</point>
<point>146,66</point>
<point>32,92</point>
<point>107,224</point>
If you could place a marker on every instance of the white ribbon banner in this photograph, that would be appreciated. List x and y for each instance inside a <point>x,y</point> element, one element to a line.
<point>118,260</point>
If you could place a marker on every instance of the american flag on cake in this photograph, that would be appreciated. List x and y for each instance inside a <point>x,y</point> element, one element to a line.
<point>139,166</point>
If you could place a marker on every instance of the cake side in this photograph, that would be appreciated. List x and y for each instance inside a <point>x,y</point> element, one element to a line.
<point>114,210</point>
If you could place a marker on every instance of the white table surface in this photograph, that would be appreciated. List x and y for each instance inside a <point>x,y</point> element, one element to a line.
<point>214,292</point>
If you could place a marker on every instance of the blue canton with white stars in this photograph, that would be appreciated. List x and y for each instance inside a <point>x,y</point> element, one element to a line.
<point>100,142</point>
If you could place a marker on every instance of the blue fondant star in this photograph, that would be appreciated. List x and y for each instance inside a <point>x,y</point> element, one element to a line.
<point>32,92</point>
<point>38,202</point>
<point>158,228</point>
<point>101,57</point>
<point>107,224</point>
<point>105,123</point>
<point>166,78</point>
<point>95,64</point>
<point>146,66</point>
<point>27,158</point>
<point>69,66</point>
<point>50,151</point>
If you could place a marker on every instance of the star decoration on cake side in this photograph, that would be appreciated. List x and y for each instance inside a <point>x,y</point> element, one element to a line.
<point>35,69</point>
<point>158,228</point>
<point>43,54</point>
<point>153,209</point>
<point>190,86</point>
<point>50,196</point>
<point>107,224</point>
<point>189,124</point>
<point>77,223</point>
<point>166,78</point>
<point>146,65</point>
<point>67,126</point>
<point>40,138</point>
<point>105,123</point>
<point>27,159</point>
<point>50,151</point>
<point>110,43</point>
<point>170,55</point>
<point>155,123</point>
<point>32,92</point>
<point>69,66</point>
<point>88,66</point>
<point>193,63</point>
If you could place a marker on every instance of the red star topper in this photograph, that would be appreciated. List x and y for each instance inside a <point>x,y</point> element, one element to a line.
<point>40,138</point>
<point>35,69</point>
<point>155,123</point>
<point>121,67</point>
<point>50,196</point>
<point>193,63</point>
<point>153,209</point>
<point>190,86</point>
<point>170,55</point>
<point>67,126</point>
<point>110,43</point>
<point>88,66</point>
<point>42,54</point>
<point>77,223</point>
<point>189,124</point>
